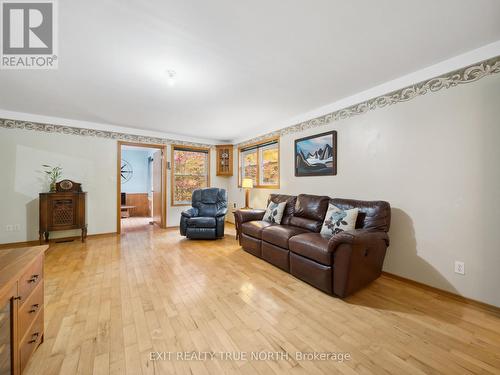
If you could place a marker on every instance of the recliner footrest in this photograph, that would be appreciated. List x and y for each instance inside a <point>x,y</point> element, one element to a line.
<point>200,233</point>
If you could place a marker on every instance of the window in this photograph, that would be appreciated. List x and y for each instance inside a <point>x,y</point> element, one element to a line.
<point>190,171</point>
<point>260,162</point>
<point>249,165</point>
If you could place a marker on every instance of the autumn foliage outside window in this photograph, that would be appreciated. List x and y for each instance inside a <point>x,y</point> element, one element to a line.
<point>190,172</point>
<point>249,165</point>
<point>261,164</point>
<point>269,168</point>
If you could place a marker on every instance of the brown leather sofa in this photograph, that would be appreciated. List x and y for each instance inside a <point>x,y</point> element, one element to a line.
<point>339,265</point>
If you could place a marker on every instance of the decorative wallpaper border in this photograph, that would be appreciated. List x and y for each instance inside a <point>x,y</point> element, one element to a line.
<point>62,129</point>
<point>461,76</point>
<point>469,74</point>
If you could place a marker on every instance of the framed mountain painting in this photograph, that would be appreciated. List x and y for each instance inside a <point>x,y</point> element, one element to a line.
<point>316,155</point>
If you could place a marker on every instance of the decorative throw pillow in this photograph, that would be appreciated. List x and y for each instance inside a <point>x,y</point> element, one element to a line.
<point>274,212</point>
<point>338,220</point>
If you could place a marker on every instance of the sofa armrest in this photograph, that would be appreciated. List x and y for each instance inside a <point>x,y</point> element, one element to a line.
<point>356,237</point>
<point>221,212</point>
<point>358,257</point>
<point>243,216</point>
<point>192,212</point>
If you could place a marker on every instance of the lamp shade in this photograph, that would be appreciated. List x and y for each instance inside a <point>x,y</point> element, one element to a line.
<point>247,183</point>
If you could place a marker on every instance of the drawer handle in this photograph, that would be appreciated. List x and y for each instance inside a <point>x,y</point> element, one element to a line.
<point>17,298</point>
<point>33,308</point>
<point>33,279</point>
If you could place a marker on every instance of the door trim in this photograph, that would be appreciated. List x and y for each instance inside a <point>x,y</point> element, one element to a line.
<point>163,149</point>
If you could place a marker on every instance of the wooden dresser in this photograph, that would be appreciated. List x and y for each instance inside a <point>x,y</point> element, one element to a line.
<point>21,306</point>
<point>62,211</point>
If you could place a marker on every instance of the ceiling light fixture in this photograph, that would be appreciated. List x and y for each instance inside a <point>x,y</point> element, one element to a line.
<point>171,77</point>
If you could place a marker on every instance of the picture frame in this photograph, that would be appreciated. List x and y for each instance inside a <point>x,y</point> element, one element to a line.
<point>316,155</point>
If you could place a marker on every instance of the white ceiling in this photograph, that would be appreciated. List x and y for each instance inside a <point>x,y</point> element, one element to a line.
<point>242,67</point>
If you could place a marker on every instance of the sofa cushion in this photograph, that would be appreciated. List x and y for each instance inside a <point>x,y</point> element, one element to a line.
<point>313,246</point>
<point>251,245</point>
<point>207,196</point>
<point>201,222</point>
<point>280,234</point>
<point>314,273</point>
<point>209,201</point>
<point>338,220</point>
<point>276,255</point>
<point>274,212</point>
<point>308,224</point>
<point>311,206</point>
<point>373,215</point>
<point>254,228</point>
<point>310,211</point>
<point>289,208</point>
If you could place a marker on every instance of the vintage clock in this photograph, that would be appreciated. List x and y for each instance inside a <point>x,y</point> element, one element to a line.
<point>68,185</point>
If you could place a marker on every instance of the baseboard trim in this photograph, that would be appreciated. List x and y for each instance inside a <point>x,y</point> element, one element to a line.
<point>53,240</point>
<point>457,297</point>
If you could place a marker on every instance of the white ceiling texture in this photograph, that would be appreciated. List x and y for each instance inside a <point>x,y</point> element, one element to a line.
<point>241,67</point>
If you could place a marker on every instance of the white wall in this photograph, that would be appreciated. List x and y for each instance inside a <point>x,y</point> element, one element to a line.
<point>140,182</point>
<point>89,160</point>
<point>435,159</point>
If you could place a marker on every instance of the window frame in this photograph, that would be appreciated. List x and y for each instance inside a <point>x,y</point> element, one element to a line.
<point>258,147</point>
<point>240,161</point>
<point>206,150</point>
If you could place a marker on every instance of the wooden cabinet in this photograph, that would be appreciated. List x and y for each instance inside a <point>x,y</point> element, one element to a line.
<point>62,211</point>
<point>21,306</point>
<point>7,361</point>
<point>224,160</point>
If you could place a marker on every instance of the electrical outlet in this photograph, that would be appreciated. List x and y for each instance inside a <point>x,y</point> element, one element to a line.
<point>234,204</point>
<point>17,227</point>
<point>459,267</point>
<point>9,228</point>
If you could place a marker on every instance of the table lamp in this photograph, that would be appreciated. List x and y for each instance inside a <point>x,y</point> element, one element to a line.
<point>247,184</point>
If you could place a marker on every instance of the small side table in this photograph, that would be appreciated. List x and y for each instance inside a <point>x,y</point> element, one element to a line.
<point>125,211</point>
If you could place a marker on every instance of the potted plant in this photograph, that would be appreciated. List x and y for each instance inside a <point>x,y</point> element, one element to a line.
<point>54,173</point>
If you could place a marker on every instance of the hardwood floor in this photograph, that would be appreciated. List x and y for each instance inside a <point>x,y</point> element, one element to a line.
<point>112,301</point>
<point>135,224</point>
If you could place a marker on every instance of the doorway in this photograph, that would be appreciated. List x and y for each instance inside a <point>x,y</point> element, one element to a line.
<point>141,187</point>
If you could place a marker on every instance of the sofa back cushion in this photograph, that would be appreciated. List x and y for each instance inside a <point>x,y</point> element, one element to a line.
<point>372,215</point>
<point>289,208</point>
<point>209,201</point>
<point>310,212</point>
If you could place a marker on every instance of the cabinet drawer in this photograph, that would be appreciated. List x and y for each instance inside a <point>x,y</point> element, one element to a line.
<point>30,280</point>
<point>31,340</point>
<point>30,308</point>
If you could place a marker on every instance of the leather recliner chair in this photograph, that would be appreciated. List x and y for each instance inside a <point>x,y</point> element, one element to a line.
<point>205,219</point>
